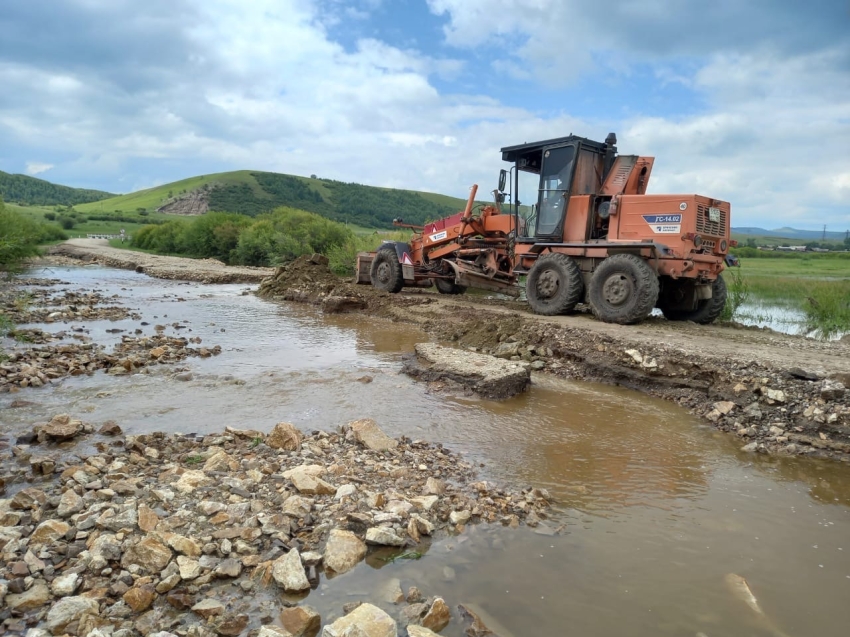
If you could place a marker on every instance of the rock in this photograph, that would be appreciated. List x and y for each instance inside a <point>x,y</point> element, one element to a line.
<point>343,551</point>
<point>420,631</point>
<point>140,598</point>
<point>438,616</point>
<point>369,620</point>
<point>336,304</point>
<point>413,614</point>
<point>148,519</point>
<point>506,350</point>
<point>301,621</point>
<point>180,601</point>
<point>273,631</point>
<point>434,486</point>
<point>345,491</point>
<point>414,595</point>
<point>69,609</point>
<point>184,545</point>
<point>231,625</point>
<point>208,608</point>
<point>310,485</point>
<point>424,502</point>
<point>753,446</point>
<point>802,374</point>
<point>391,592</point>
<point>191,480</point>
<point>724,407</point>
<point>149,553</point>
<point>29,498</point>
<point>475,617</point>
<point>831,390</point>
<point>106,546</point>
<point>110,428</point>
<point>189,569</point>
<point>368,434</point>
<point>221,461</point>
<point>69,504</point>
<point>488,376</point>
<point>776,395</point>
<point>228,568</point>
<point>62,427</point>
<point>64,585</point>
<point>383,536</point>
<point>285,436</point>
<point>36,597</point>
<point>48,532</point>
<point>296,506</point>
<point>460,517</point>
<point>126,519</point>
<point>288,572</point>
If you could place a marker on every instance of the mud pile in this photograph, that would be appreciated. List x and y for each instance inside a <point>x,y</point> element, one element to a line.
<point>169,531</point>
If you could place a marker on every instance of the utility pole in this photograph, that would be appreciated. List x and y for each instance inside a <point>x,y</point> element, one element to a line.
<point>823,237</point>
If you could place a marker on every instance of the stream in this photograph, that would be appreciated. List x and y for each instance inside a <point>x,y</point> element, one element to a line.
<point>657,506</point>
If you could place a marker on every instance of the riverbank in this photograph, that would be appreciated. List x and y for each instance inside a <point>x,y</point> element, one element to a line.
<point>162,531</point>
<point>778,393</point>
<point>158,266</point>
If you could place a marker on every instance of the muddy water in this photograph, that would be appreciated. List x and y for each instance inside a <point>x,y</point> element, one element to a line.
<point>657,507</point>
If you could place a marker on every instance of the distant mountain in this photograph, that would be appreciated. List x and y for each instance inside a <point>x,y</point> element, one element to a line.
<point>23,189</point>
<point>254,192</point>
<point>791,233</point>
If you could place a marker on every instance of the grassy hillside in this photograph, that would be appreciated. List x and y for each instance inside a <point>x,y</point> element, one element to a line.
<point>23,189</point>
<point>255,192</point>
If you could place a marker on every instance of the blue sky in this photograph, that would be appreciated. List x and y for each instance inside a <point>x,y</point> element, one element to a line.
<point>744,101</point>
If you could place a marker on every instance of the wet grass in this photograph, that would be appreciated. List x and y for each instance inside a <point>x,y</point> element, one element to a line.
<point>816,286</point>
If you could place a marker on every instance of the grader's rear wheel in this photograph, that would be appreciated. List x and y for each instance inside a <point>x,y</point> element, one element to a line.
<point>386,271</point>
<point>707,310</point>
<point>554,285</point>
<point>623,289</point>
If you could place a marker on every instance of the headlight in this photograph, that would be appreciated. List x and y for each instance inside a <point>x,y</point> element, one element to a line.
<point>697,241</point>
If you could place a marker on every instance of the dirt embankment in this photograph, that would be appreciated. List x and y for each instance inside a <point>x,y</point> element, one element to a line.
<point>778,393</point>
<point>158,266</point>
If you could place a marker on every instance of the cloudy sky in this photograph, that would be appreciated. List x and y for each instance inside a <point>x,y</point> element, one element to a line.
<point>747,101</point>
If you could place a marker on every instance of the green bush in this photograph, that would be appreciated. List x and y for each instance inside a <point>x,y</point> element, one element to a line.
<point>67,222</point>
<point>19,239</point>
<point>50,215</point>
<point>827,309</point>
<point>737,292</point>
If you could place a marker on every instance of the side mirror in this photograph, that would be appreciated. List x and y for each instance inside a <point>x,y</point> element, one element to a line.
<point>503,177</point>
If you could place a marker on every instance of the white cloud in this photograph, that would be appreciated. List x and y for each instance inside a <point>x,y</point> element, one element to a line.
<point>37,167</point>
<point>263,86</point>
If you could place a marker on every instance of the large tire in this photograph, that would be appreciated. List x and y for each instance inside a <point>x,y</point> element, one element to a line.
<point>446,286</point>
<point>707,310</point>
<point>623,289</point>
<point>554,285</point>
<point>385,272</point>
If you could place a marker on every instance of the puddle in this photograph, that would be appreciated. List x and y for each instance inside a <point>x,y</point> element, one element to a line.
<point>658,507</point>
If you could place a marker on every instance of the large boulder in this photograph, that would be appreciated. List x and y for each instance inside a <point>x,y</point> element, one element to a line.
<point>383,536</point>
<point>61,427</point>
<point>366,620</point>
<point>488,376</point>
<point>36,597</point>
<point>285,436</point>
<point>343,551</point>
<point>309,484</point>
<point>368,434</point>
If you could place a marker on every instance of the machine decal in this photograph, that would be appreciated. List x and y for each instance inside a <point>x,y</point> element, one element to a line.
<point>405,259</point>
<point>664,224</point>
<point>439,236</point>
<point>683,206</point>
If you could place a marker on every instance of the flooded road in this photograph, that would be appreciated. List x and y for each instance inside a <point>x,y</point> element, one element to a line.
<point>658,508</point>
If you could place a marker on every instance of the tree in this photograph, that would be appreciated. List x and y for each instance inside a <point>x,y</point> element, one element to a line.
<point>847,243</point>
<point>19,239</point>
<point>751,243</point>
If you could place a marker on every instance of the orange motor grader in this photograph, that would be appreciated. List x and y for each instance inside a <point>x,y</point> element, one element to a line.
<point>593,236</point>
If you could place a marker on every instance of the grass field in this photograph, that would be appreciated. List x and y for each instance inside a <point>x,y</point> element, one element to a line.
<point>814,286</point>
<point>91,226</point>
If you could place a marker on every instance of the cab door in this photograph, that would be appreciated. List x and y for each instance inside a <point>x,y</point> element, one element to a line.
<point>556,176</point>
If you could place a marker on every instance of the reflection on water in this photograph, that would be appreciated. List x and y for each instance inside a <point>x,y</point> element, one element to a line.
<point>658,507</point>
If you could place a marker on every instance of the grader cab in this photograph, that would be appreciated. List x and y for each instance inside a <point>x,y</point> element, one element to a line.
<point>592,235</point>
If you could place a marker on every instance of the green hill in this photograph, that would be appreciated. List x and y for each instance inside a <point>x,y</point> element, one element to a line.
<point>27,190</point>
<point>254,192</point>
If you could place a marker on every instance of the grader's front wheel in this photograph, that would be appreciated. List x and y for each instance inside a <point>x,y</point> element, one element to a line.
<point>386,271</point>
<point>623,289</point>
<point>554,285</point>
